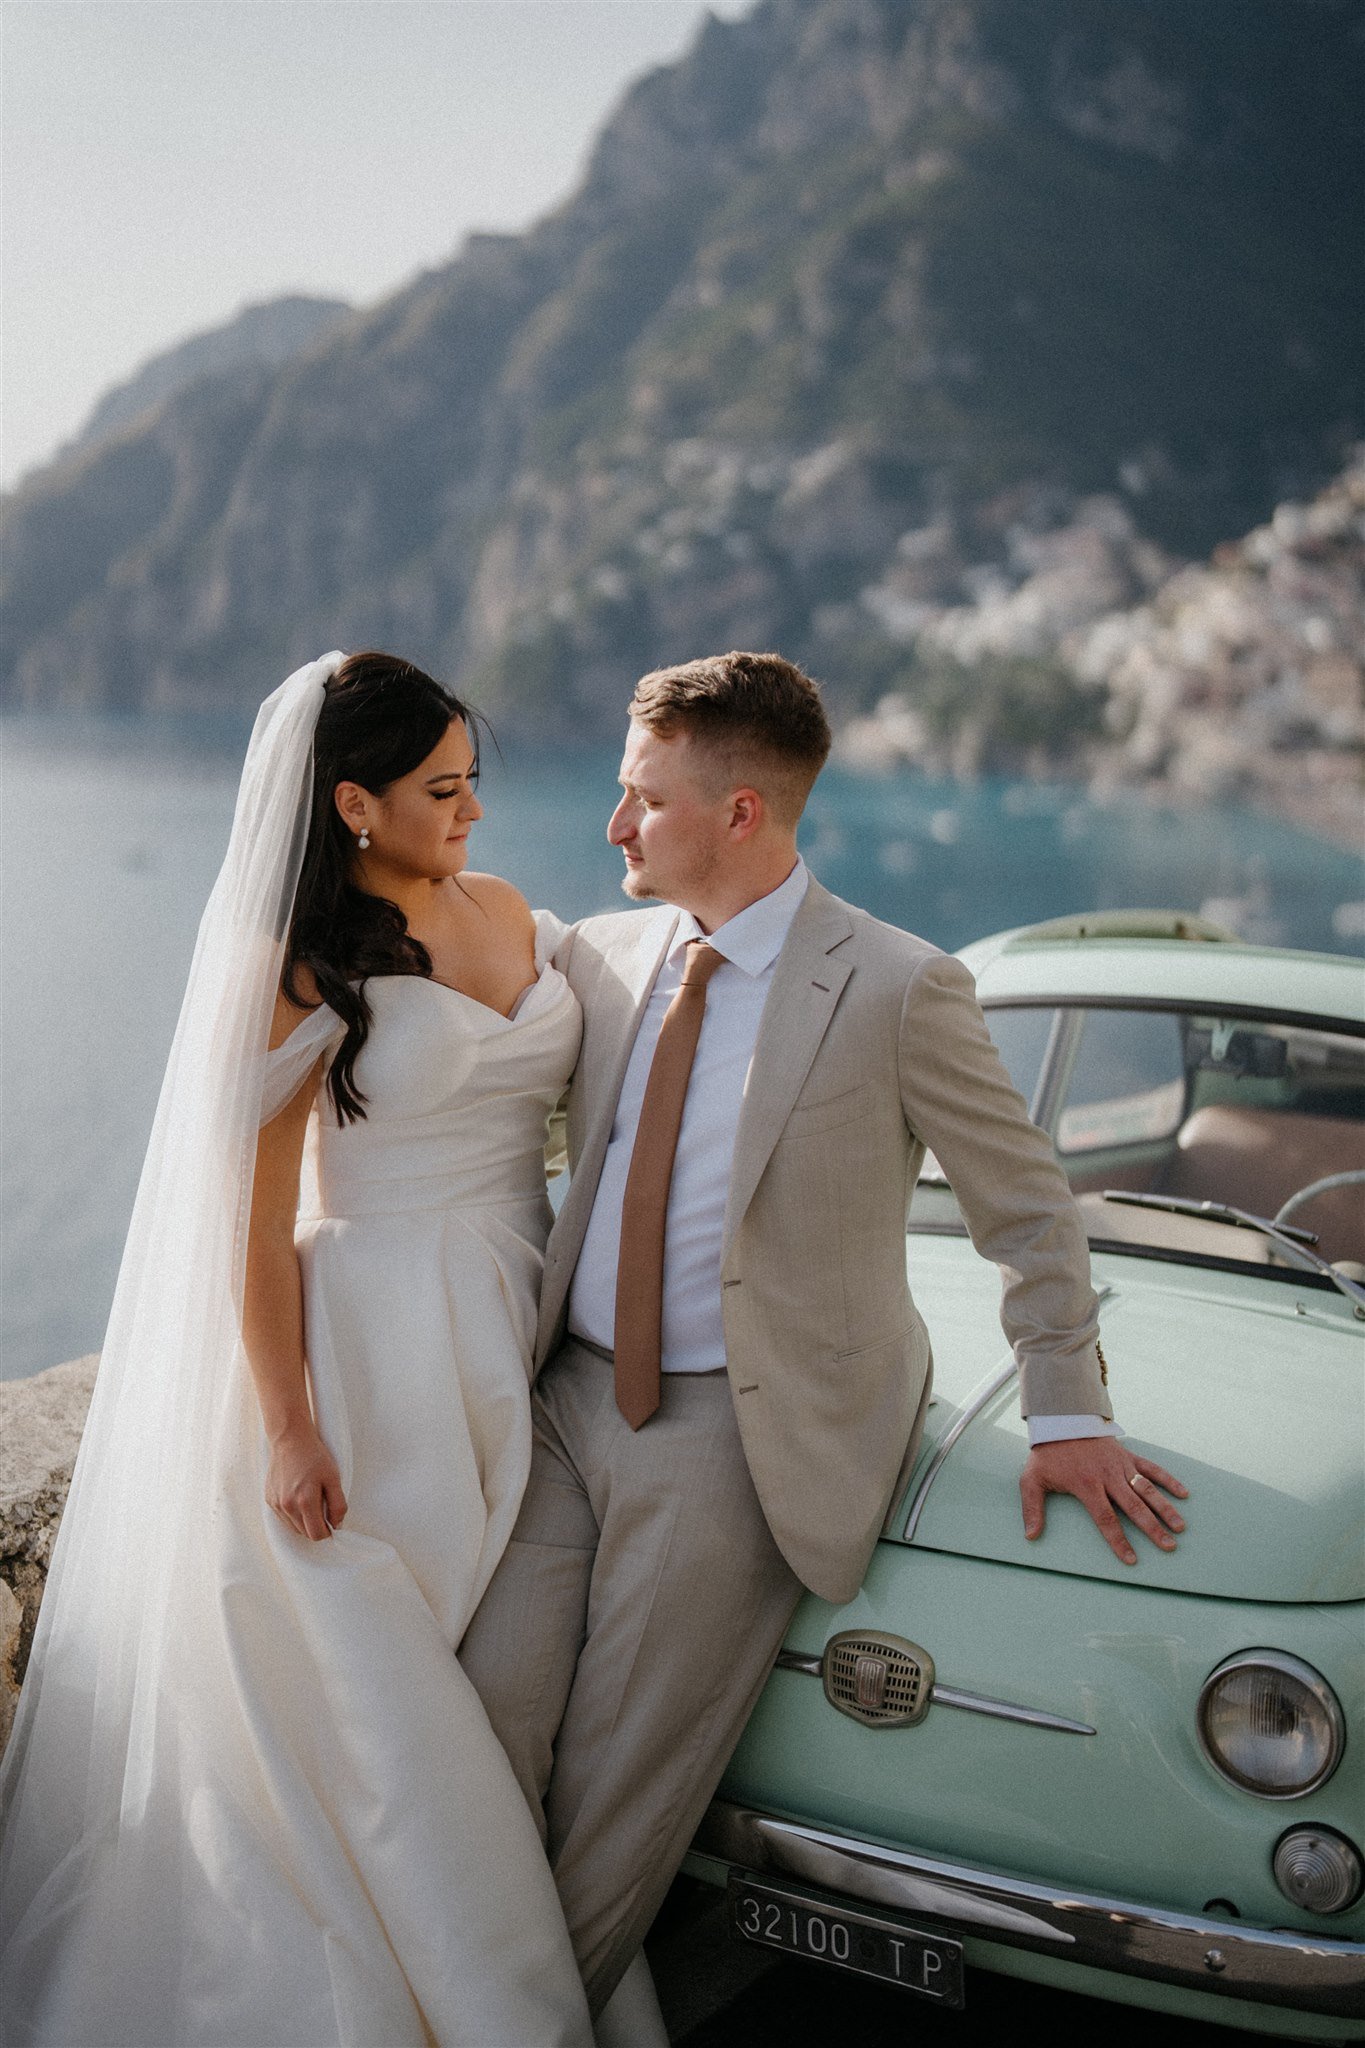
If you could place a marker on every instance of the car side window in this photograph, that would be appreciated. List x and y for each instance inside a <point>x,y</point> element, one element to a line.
<point>1021,1039</point>
<point>1127,1081</point>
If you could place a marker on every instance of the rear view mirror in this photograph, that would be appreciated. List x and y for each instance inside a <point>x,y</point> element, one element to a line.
<point>1245,1054</point>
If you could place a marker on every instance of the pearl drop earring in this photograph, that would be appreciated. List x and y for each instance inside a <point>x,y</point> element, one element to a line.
<point>364,840</point>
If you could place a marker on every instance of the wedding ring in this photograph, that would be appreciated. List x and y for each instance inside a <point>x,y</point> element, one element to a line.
<point>1133,1478</point>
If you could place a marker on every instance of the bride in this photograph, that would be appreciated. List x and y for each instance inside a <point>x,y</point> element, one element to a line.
<point>251,1801</point>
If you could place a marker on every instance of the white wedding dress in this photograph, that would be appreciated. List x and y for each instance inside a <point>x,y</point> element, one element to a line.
<point>330,1849</point>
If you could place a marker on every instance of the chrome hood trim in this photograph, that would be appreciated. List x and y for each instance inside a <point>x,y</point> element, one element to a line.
<point>980,1397</point>
<point>953,1696</point>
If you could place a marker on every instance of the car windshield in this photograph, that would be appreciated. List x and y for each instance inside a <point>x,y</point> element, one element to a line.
<point>1257,1112</point>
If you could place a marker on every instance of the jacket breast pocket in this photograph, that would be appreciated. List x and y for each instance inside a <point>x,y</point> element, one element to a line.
<point>806,1119</point>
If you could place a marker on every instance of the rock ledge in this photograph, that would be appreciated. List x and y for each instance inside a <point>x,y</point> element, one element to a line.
<point>41,1420</point>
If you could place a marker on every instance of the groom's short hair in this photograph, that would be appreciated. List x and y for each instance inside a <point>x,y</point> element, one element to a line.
<point>753,718</point>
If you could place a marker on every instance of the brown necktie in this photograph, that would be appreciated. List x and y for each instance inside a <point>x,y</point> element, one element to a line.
<point>640,1264</point>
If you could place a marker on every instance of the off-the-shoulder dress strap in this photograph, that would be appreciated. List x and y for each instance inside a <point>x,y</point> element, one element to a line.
<point>549,931</point>
<point>291,1062</point>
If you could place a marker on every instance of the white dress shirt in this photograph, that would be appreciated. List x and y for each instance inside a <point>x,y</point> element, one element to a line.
<point>693,1333</point>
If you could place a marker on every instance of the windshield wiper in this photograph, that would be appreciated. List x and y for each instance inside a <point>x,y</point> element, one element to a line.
<point>1296,1244</point>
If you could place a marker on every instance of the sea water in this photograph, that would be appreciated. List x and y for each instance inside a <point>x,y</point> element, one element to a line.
<point>113,831</point>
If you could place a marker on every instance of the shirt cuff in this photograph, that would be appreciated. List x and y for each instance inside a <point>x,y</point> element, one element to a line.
<point>1052,1429</point>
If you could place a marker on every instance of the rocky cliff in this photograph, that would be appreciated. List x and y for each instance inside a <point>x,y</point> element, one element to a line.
<point>849,298</point>
<point>268,334</point>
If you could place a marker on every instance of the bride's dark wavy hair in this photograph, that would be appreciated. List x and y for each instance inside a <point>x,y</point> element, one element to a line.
<point>380,719</point>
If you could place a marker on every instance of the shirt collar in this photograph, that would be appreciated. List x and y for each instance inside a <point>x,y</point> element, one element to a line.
<point>753,939</point>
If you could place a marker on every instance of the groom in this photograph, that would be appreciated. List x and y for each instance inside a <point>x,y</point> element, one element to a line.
<point>723,1415</point>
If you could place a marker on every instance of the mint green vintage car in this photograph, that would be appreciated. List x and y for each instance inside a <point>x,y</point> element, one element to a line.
<point>1142,1783</point>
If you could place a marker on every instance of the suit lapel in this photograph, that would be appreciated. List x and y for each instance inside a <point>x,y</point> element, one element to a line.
<point>807,983</point>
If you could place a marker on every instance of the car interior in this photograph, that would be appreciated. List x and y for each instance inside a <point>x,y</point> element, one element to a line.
<point>1265,1115</point>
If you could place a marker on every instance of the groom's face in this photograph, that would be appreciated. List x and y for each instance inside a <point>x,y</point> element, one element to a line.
<point>670,826</point>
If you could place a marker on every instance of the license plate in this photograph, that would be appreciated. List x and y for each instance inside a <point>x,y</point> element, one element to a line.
<point>880,1945</point>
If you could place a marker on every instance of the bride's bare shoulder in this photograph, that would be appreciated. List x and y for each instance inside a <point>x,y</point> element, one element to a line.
<point>502,901</point>
<point>289,1014</point>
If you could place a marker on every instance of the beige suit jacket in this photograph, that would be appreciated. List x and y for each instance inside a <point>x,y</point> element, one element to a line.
<point>871,1048</point>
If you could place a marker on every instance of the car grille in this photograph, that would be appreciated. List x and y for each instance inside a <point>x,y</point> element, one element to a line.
<point>880,1680</point>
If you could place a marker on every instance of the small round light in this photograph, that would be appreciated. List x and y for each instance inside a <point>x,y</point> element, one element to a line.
<point>1318,1870</point>
<point>1270,1724</point>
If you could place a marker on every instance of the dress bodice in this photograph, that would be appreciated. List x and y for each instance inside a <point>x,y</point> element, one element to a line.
<point>457,1098</point>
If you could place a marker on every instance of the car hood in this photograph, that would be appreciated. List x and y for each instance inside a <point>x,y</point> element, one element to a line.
<point>1250,1389</point>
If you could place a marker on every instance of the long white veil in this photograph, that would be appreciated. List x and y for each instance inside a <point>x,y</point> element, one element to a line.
<point>128,1648</point>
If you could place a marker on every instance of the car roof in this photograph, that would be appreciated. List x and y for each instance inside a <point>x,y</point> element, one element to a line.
<point>1162,956</point>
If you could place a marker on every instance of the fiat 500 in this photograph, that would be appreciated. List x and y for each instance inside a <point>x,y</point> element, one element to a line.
<point>1144,1783</point>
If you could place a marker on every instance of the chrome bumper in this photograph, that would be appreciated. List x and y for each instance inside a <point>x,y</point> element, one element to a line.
<point>1309,1972</point>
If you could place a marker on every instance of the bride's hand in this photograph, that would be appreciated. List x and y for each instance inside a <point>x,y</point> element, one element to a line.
<point>303,1484</point>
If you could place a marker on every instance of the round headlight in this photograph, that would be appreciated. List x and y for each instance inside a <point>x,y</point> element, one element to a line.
<point>1270,1724</point>
<point>1318,1869</point>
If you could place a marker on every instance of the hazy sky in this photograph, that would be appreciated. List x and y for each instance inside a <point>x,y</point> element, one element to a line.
<point>168,161</point>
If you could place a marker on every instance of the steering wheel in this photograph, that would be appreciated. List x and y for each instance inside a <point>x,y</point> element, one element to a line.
<point>1355,1178</point>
